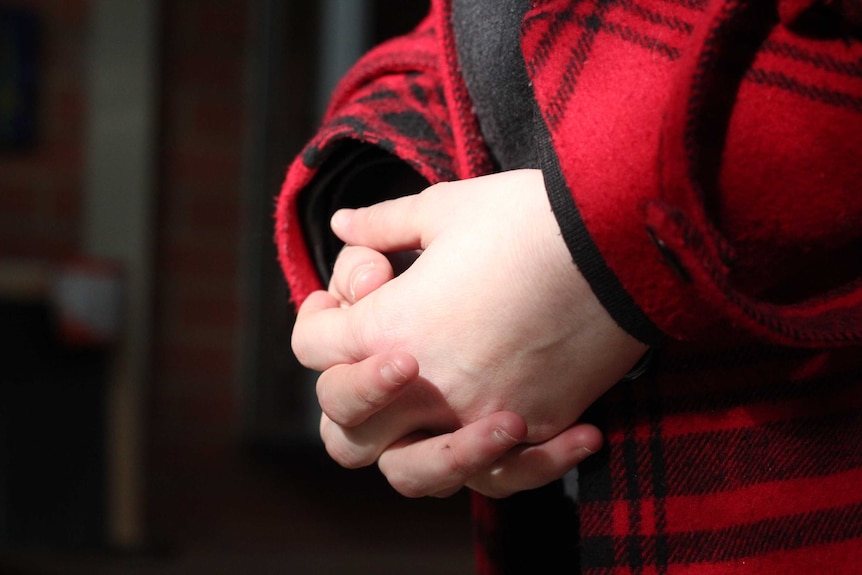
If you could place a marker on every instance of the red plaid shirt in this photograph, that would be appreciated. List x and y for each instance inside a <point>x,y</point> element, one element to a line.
<point>703,160</point>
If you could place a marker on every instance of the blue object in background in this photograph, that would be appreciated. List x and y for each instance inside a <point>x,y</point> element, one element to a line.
<point>18,77</point>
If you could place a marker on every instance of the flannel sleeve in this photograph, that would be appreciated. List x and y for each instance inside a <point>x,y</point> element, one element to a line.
<point>386,133</point>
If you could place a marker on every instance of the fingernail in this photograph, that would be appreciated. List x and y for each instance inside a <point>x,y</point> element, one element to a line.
<point>356,275</point>
<point>340,219</point>
<point>503,437</point>
<point>583,452</point>
<point>391,373</point>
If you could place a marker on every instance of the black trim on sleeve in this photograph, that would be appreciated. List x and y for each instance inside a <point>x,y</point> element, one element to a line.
<point>353,174</point>
<point>604,283</point>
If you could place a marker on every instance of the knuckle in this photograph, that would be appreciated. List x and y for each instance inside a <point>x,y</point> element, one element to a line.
<point>406,485</point>
<point>364,328</point>
<point>438,188</point>
<point>341,415</point>
<point>402,480</point>
<point>300,348</point>
<point>350,394</point>
<point>336,280</point>
<point>369,397</point>
<point>324,399</point>
<point>497,493</point>
<point>370,215</point>
<point>455,465</point>
<point>495,490</point>
<point>332,404</point>
<point>502,479</point>
<point>347,418</point>
<point>346,456</point>
<point>451,474</point>
<point>447,493</point>
<point>340,449</point>
<point>489,487</point>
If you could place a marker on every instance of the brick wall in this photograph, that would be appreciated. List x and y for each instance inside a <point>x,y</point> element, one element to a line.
<point>203,491</point>
<point>40,187</point>
<point>194,401</point>
<point>206,493</point>
<point>199,486</point>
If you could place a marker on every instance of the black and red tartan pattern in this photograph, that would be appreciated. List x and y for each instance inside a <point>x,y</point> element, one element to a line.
<point>701,156</point>
<point>400,99</point>
<point>740,460</point>
<point>710,150</point>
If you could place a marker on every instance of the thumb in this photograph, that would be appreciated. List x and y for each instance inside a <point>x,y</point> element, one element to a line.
<point>394,225</point>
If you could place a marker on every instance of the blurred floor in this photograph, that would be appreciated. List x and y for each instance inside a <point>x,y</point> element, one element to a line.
<point>356,562</point>
<point>316,518</point>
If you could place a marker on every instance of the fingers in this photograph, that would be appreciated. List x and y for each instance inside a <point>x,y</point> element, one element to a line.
<point>390,226</point>
<point>323,335</point>
<point>351,450</point>
<point>358,271</point>
<point>350,393</point>
<point>419,465</point>
<point>484,456</point>
<point>536,465</point>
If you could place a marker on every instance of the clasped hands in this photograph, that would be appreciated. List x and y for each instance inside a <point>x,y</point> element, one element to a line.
<point>472,366</point>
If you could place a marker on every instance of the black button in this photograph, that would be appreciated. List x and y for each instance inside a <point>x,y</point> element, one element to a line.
<point>668,256</point>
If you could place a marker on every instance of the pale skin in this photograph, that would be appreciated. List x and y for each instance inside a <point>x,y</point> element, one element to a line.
<point>512,343</point>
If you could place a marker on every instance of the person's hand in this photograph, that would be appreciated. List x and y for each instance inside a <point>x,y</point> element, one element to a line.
<point>493,309</point>
<point>479,455</point>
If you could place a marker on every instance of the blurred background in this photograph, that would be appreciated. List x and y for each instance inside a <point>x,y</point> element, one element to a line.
<point>152,417</point>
